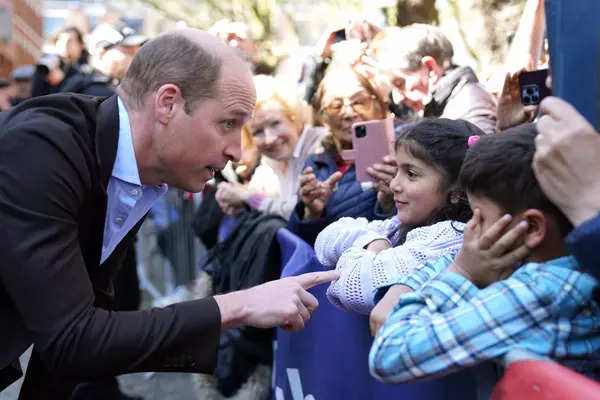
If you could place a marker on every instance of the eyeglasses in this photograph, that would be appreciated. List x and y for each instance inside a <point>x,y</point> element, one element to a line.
<point>360,104</point>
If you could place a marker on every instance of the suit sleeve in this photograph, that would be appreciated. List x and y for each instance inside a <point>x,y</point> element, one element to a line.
<point>46,172</point>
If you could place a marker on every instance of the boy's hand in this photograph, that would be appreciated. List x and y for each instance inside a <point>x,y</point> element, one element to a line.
<point>487,257</point>
<point>382,310</point>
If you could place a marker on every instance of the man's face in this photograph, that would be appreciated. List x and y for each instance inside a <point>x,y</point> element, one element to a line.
<point>410,87</point>
<point>193,147</point>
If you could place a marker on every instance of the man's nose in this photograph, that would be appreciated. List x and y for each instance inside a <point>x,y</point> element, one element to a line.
<point>233,149</point>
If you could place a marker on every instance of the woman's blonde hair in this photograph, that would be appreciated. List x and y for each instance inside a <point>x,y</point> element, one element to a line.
<point>269,89</point>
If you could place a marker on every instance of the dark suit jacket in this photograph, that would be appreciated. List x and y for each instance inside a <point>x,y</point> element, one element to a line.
<point>56,157</point>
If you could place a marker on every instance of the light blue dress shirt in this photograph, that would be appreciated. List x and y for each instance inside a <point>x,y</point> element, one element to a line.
<point>128,199</point>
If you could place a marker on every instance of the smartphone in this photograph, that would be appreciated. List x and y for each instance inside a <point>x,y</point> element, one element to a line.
<point>533,86</point>
<point>371,141</point>
<point>339,35</point>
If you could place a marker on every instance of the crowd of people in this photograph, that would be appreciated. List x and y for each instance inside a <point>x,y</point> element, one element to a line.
<point>473,238</point>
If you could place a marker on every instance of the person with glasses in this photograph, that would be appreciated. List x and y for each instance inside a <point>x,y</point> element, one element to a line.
<point>328,186</point>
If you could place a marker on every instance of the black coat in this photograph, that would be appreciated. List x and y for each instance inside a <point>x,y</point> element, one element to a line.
<point>56,157</point>
<point>247,257</point>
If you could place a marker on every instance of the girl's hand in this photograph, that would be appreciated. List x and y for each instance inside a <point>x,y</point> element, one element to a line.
<point>378,245</point>
<point>493,255</point>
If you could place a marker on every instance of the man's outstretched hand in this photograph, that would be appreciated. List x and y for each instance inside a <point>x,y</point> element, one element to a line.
<point>284,303</point>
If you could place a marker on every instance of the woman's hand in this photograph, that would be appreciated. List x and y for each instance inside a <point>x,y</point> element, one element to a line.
<point>384,173</point>
<point>314,193</point>
<point>231,197</point>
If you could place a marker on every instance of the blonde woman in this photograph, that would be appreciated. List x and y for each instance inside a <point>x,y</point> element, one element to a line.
<point>281,132</point>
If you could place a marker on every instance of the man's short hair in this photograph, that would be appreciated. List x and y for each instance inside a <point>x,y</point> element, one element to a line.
<point>173,58</point>
<point>408,45</point>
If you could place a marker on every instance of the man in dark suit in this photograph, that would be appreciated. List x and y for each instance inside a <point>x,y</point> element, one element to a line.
<point>77,175</point>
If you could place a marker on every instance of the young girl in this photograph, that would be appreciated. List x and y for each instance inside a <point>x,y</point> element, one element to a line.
<point>431,210</point>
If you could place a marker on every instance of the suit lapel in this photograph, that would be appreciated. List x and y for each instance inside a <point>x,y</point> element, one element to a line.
<point>107,137</point>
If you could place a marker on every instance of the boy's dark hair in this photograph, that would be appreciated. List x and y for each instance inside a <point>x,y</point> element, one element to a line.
<point>442,144</point>
<point>499,167</point>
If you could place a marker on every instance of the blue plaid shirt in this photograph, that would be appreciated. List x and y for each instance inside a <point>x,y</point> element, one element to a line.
<point>449,324</point>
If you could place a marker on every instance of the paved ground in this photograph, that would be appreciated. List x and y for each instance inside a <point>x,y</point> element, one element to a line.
<point>159,386</point>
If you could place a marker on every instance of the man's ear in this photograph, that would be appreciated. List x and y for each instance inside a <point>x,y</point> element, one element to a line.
<point>537,227</point>
<point>433,68</point>
<point>167,100</point>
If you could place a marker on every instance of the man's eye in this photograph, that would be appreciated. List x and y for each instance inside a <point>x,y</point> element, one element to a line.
<point>229,124</point>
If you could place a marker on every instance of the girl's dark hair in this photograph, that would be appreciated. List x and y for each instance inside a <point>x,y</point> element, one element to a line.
<point>499,168</point>
<point>442,144</point>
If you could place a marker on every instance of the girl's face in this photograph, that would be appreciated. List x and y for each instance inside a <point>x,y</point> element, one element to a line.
<point>273,133</point>
<point>417,189</point>
<point>345,102</point>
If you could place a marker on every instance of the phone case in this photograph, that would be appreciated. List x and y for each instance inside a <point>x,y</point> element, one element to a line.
<point>371,141</point>
<point>533,86</point>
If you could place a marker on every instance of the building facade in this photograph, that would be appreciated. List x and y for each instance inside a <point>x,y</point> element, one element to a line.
<point>21,30</point>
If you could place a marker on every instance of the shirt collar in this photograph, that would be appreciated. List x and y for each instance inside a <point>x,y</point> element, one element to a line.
<point>125,167</point>
<point>562,262</point>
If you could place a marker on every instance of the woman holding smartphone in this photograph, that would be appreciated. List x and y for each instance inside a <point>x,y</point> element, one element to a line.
<point>328,186</point>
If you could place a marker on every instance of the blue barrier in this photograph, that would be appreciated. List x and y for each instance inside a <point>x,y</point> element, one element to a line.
<point>574,44</point>
<point>328,359</point>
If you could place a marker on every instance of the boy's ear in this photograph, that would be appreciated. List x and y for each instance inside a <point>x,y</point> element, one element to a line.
<point>537,227</point>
